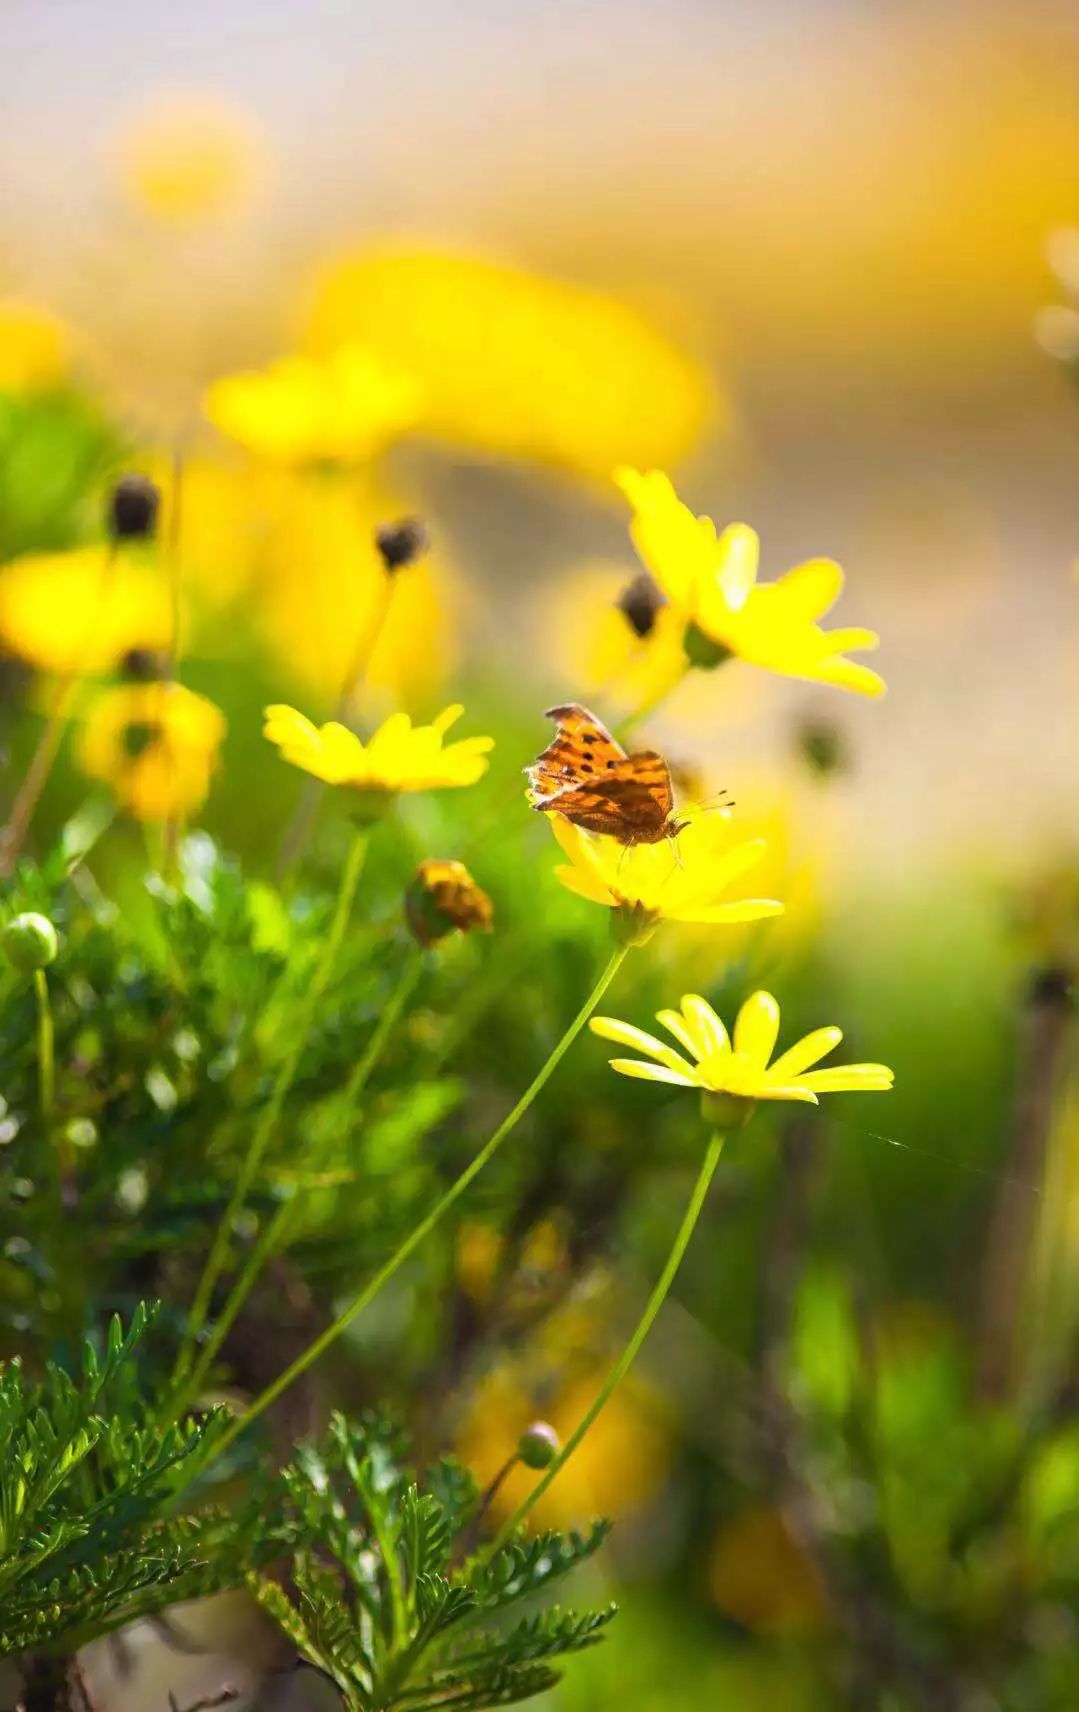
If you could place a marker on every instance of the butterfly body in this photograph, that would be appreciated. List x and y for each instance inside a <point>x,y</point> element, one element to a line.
<point>587,776</point>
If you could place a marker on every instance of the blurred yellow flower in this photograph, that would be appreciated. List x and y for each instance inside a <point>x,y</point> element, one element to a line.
<point>682,879</point>
<point>399,757</point>
<point>712,582</point>
<point>80,611</point>
<point>319,585</point>
<point>35,347</point>
<point>740,1068</point>
<point>761,1577</point>
<point>155,745</point>
<point>514,364</point>
<point>616,1469</point>
<point>343,408</point>
<point>187,159</point>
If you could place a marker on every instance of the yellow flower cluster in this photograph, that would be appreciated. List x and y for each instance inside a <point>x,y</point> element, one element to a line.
<point>80,611</point>
<point>740,1067</point>
<point>513,364</point>
<point>155,745</point>
<point>343,408</point>
<point>711,582</point>
<point>685,878</point>
<point>399,756</point>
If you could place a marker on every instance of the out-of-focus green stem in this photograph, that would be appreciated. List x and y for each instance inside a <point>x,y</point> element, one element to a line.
<point>267,1124</point>
<point>276,1234</point>
<point>629,1354</point>
<point>431,1219</point>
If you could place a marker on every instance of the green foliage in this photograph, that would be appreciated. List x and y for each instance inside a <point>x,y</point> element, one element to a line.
<point>383,1599</point>
<point>86,1483</point>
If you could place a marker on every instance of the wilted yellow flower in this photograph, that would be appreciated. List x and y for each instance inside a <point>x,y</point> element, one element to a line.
<point>739,1068</point>
<point>443,898</point>
<point>399,757</point>
<point>516,364</point>
<point>711,580</point>
<point>343,408</point>
<point>80,611</point>
<point>155,745</point>
<point>190,159</point>
<point>35,347</point>
<point>684,878</point>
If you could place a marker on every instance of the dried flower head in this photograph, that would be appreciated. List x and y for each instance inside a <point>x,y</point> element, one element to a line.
<point>402,543</point>
<point>443,898</point>
<point>133,508</point>
<point>640,603</point>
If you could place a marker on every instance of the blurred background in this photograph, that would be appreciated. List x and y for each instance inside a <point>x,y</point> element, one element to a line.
<point>817,260</point>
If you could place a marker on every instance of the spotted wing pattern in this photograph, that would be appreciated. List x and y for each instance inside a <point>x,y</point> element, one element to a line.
<point>585,775</point>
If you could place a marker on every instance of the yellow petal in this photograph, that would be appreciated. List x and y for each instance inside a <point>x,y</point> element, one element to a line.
<point>583,884</point>
<point>626,1034</point>
<point>676,1024</point>
<point>848,675</point>
<point>721,915</point>
<point>849,640</point>
<point>650,1072</point>
<point>789,1091</point>
<point>449,716</point>
<point>756,1028</point>
<point>806,1052</point>
<point>811,588</point>
<point>851,1078</point>
<point>738,556</point>
<point>704,1026</point>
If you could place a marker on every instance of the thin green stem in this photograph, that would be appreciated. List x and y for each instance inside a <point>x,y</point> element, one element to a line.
<point>46,1057</point>
<point>427,1224</point>
<point>277,1232</point>
<point>267,1124</point>
<point>629,1354</point>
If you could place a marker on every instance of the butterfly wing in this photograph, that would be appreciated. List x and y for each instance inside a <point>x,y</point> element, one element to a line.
<point>587,776</point>
<point>582,749</point>
<point>630,800</point>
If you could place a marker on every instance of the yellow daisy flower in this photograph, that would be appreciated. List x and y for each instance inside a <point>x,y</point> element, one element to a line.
<point>81,610</point>
<point>681,879</point>
<point>711,580</point>
<point>399,757</point>
<point>342,409</point>
<point>155,745</point>
<point>740,1070</point>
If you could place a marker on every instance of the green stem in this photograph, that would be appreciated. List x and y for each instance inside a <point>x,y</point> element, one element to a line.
<point>264,1130</point>
<point>427,1224</point>
<point>277,1232</point>
<point>46,1059</point>
<point>629,1354</point>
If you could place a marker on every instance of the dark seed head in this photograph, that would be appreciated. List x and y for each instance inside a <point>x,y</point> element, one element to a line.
<point>402,543</point>
<point>823,748</point>
<point>639,604</point>
<point>144,665</point>
<point>133,507</point>
<point>138,737</point>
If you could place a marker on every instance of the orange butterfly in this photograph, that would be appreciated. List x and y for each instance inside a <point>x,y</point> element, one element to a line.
<point>585,775</point>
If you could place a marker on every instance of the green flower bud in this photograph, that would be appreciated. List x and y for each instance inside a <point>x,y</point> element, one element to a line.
<point>538,1445</point>
<point>703,651</point>
<point>726,1112</point>
<point>30,942</point>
